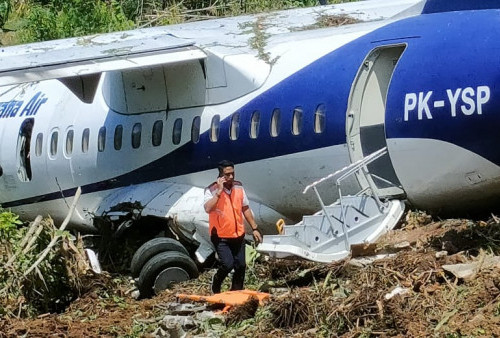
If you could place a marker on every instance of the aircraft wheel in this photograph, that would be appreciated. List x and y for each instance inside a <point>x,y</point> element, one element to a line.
<point>150,249</point>
<point>165,269</point>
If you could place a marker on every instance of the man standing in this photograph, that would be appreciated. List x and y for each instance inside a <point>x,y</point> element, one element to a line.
<point>227,204</point>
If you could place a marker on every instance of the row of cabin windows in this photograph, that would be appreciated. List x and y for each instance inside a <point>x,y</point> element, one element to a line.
<point>101,138</point>
<point>274,126</point>
<point>157,132</point>
<point>156,138</point>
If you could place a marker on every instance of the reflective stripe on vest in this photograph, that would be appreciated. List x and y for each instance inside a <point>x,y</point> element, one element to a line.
<point>227,216</point>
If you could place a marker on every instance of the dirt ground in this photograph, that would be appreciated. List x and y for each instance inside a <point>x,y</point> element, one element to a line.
<point>405,293</point>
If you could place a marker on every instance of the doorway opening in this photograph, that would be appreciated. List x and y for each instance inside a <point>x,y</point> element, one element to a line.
<point>23,150</point>
<point>365,122</point>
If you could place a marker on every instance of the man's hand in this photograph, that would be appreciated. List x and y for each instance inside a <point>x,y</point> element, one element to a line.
<point>220,183</point>
<point>257,236</point>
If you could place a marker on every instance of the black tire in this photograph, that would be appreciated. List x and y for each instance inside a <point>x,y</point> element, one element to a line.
<point>152,248</point>
<point>177,262</point>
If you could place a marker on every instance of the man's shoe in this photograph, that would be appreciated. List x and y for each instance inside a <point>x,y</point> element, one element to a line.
<point>214,288</point>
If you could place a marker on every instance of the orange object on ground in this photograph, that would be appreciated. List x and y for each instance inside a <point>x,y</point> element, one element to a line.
<point>228,298</point>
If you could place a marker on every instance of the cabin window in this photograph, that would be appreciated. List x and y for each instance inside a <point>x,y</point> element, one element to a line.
<point>275,126</point>
<point>195,130</point>
<point>69,142</point>
<point>297,121</point>
<point>53,143</point>
<point>177,132</point>
<point>319,119</point>
<point>23,150</point>
<point>234,132</point>
<point>136,135</point>
<point>214,128</point>
<point>39,144</point>
<point>117,140</point>
<point>157,133</point>
<point>101,139</point>
<point>85,140</point>
<point>255,124</point>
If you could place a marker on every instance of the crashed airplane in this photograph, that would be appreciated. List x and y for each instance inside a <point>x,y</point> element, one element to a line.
<point>333,130</point>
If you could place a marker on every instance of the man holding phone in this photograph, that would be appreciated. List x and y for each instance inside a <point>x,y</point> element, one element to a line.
<point>226,203</point>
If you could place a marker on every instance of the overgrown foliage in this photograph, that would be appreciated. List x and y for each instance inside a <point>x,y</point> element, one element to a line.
<point>53,283</point>
<point>49,20</point>
<point>4,11</point>
<point>42,20</point>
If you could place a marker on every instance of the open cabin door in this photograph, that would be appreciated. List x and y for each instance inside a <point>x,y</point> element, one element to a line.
<point>365,121</point>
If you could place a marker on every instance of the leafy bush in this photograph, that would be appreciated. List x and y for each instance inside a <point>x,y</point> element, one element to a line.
<point>8,225</point>
<point>56,19</point>
<point>42,20</point>
<point>55,281</point>
<point>4,11</point>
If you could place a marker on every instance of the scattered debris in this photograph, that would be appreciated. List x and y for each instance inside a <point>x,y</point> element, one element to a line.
<point>398,290</point>
<point>325,20</point>
<point>416,290</point>
<point>244,311</point>
<point>468,271</point>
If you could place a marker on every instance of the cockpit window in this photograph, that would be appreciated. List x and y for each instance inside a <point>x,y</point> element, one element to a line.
<point>23,150</point>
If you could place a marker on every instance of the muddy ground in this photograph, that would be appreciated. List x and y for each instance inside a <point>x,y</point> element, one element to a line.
<point>406,292</point>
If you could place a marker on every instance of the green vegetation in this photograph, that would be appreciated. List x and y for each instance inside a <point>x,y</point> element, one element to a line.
<point>61,19</point>
<point>4,11</point>
<point>24,21</point>
<point>53,282</point>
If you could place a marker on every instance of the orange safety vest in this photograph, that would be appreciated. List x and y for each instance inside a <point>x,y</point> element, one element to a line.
<point>227,216</point>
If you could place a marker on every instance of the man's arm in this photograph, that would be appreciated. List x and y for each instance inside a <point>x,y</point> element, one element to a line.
<point>247,212</point>
<point>212,202</point>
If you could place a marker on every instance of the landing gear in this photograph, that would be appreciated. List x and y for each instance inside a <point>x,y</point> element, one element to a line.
<point>165,269</point>
<point>159,263</point>
<point>151,248</point>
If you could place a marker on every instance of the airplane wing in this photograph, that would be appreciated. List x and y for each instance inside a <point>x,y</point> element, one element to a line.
<point>90,55</point>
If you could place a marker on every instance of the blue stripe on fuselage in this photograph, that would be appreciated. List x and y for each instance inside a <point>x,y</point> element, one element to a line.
<point>326,81</point>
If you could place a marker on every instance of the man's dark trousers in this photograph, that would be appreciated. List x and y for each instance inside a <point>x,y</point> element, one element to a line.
<point>231,252</point>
